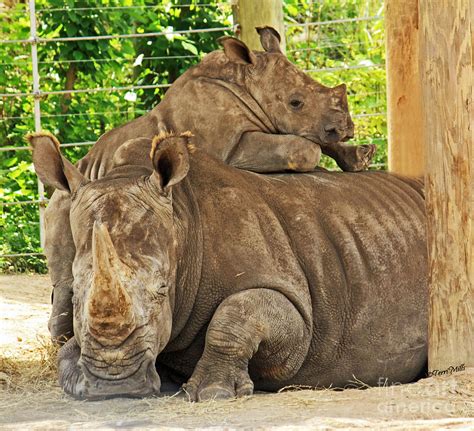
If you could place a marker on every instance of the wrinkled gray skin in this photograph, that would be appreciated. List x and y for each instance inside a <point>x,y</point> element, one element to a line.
<point>235,280</point>
<point>239,104</point>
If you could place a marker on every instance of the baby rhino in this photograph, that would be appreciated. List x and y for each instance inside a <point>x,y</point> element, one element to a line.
<point>234,280</point>
<point>254,110</point>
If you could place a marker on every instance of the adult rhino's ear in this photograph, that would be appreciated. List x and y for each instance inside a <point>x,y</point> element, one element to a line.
<point>270,39</point>
<point>236,51</point>
<point>170,158</point>
<point>51,167</point>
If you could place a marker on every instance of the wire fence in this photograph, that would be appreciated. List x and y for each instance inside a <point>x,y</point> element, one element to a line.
<point>38,95</point>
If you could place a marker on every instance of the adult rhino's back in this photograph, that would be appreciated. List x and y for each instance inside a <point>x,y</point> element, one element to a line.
<point>359,242</point>
<point>373,208</point>
<point>360,239</point>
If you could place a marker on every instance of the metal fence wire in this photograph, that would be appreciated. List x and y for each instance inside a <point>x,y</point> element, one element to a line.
<point>38,95</point>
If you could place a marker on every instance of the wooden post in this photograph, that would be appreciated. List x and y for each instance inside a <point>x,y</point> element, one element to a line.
<point>446,68</point>
<point>405,119</point>
<point>255,13</point>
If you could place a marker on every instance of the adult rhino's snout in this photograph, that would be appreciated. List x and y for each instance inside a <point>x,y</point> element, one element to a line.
<point>142,381</point>
<point>110,314</point>
<point>114,373</point>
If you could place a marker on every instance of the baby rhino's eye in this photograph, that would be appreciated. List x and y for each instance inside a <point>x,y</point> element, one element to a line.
<point>296,104</point>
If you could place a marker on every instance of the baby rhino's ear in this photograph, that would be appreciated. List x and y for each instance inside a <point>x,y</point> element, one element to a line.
<point>270,39</point>
<point>51,167</point>
<point>236,50</point>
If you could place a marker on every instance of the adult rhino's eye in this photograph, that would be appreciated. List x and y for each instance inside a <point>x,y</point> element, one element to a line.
<point>296,104</point>
<point>162,290</point>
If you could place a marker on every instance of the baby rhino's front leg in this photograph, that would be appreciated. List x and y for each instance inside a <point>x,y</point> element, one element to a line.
<point>350,158</point>
<point>258,325</point>
<point>265,152</point>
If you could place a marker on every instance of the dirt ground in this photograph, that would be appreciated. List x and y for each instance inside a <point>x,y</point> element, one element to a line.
<point>31,399</point>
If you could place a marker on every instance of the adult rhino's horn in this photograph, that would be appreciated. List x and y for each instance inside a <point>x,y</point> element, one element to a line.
<point>110,310</point>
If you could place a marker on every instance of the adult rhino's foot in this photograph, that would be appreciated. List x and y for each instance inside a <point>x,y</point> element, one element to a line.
<point>60,322</point>
<point>356,158</point>
<point>218,382</point>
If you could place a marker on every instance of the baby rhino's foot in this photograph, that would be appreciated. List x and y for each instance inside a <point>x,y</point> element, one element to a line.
<point>357,157</point>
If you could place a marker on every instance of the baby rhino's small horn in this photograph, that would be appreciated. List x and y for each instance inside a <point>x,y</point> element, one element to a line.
<point>110,309</point>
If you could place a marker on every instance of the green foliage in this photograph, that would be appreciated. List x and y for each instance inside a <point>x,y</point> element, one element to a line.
<point>126,62</point>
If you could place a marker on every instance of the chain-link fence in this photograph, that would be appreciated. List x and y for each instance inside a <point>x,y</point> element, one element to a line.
<point>58,90</point>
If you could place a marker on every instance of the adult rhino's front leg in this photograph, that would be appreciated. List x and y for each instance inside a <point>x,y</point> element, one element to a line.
<point>60,251</point>
<point>264,152</point>
<point>259,325</point>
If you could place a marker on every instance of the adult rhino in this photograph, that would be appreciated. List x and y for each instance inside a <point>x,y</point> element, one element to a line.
<point>236,280</point>
<point>253,110</point>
